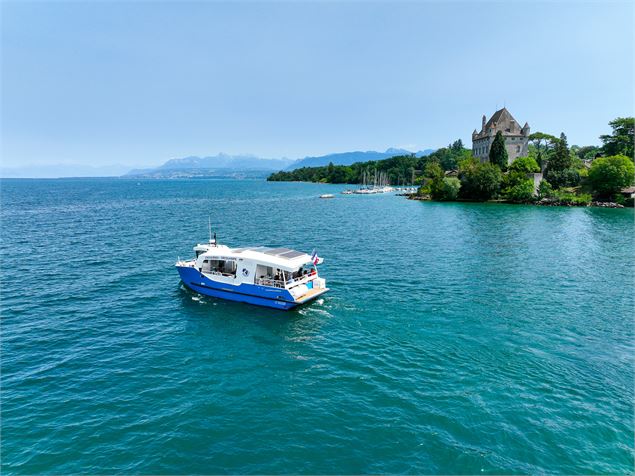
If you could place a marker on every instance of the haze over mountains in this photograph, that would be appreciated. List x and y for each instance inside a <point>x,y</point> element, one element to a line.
<point>220,165</point>
<point>224,165</point>
<point>63,170</point>
<point>348,158</point>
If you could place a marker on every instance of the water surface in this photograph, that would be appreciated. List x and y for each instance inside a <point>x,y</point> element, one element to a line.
<point>457,338</point>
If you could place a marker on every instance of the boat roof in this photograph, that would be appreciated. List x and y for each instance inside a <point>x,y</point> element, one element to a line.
<point>283,258</point>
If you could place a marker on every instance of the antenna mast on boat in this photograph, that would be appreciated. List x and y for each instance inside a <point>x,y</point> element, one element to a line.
<point>209,224</point>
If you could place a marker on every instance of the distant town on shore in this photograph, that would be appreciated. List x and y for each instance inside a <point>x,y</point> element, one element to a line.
<point>507,163</point>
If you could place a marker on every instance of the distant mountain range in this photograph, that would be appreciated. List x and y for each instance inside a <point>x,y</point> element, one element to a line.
<point>249,166</point>
<point>348,158</point>
<point>221,165</point>
<point>217,166</point>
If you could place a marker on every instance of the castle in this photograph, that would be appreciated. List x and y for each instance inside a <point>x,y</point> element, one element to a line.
<point>516,139</point>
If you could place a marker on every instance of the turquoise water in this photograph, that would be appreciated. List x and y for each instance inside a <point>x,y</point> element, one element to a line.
<point>457,338</point>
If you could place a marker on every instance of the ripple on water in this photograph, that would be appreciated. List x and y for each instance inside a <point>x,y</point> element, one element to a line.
<point>457,338</point>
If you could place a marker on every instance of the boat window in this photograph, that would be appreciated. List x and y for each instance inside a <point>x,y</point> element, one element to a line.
<point>220,267</point>
<point>264,271</point>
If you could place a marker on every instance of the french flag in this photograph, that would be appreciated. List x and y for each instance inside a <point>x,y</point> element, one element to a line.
<point>314,257</point>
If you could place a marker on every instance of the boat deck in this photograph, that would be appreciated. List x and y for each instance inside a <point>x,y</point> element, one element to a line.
<point>313,293</point>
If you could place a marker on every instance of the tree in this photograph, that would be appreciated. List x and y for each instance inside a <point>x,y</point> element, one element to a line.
<point>433,170</point>
<point>444,158</point>
<point>545,190</point>
<point>516,186</point>
<point>620,141</point>
<point>542,141</point>
<point>479,181</point>
<point>587,152</point>
<point>498,152</point>
<point>608,175</point>
<point>522,192</point>
<point>561,158</point>
<point>457,146</point>
<point>449,189</point>
<point>525,165</point>
<point>559,171</point>
<point>539,159</point>
<point>563,178</point>
<point>543,144</point>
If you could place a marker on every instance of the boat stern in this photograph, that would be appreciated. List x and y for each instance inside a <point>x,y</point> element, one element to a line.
<point>309,291</point>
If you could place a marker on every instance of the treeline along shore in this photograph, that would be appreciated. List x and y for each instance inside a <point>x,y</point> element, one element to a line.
<point>552,172</point>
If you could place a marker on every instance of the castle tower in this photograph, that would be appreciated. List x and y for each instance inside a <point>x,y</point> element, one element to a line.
<point>526,130</point>
<point>516,139</point>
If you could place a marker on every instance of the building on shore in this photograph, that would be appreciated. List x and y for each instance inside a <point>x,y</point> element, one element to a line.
<point>516,138</point>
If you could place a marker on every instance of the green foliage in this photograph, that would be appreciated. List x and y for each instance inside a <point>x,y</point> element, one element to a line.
<point>561,171</point>
<point>423,190</point>
<point>525,165</point>
<point>479,181</point>
<point>545,190</point>
<point>619,199</point>
<point>451,187</point>
<point>608,175</point>
<point>565,168</point>
<point>399,169</point>
<point>540,160</point>
<point>522,191</point>
<point>516,186</point>
<point>563,178</point>
<point>540,140</point>
<point>569,198</point>
<point>457,145</point>
<point>498,152</point>
<point>543,145</point>
<point>433,170</point>
<point>403,169</point>
<point>560,159</point>
<point>468,163</point>
<point>620,141</point>
<point>587,152</point>
<point>446,189</point>
<point>450,156</point>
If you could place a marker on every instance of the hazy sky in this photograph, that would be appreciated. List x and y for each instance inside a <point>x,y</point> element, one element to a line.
<point>139,83</point>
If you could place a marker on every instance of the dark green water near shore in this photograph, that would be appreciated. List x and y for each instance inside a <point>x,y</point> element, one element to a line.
<point>457,338</point>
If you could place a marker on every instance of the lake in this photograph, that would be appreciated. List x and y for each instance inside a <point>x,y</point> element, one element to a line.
<point>456,338</point>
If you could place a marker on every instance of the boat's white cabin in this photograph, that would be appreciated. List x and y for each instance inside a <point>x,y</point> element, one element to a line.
<point>275,267</point>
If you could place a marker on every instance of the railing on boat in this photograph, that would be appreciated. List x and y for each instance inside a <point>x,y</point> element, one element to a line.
<point>274,283</point>
<point>302,280</point>
<point>218,273</point>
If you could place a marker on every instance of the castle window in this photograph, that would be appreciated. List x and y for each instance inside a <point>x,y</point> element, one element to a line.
<point>517,148</point>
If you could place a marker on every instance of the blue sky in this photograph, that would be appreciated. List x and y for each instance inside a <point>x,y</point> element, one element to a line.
<point>139,83</point>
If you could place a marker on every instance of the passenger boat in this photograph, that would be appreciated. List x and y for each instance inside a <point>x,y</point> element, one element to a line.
<point>327,195</point>
<point>280,278</point>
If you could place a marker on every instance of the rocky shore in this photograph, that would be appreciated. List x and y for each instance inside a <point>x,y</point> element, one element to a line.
<point>543,202</point>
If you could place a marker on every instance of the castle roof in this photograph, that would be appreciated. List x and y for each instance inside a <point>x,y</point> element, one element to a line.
<point>499,118</point>
<point>503,121</point>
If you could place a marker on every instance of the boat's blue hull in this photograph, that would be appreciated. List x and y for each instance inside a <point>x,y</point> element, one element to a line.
<point>250,293</point>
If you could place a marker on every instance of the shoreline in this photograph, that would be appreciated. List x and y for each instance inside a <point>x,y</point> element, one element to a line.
<point>541,203</point>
